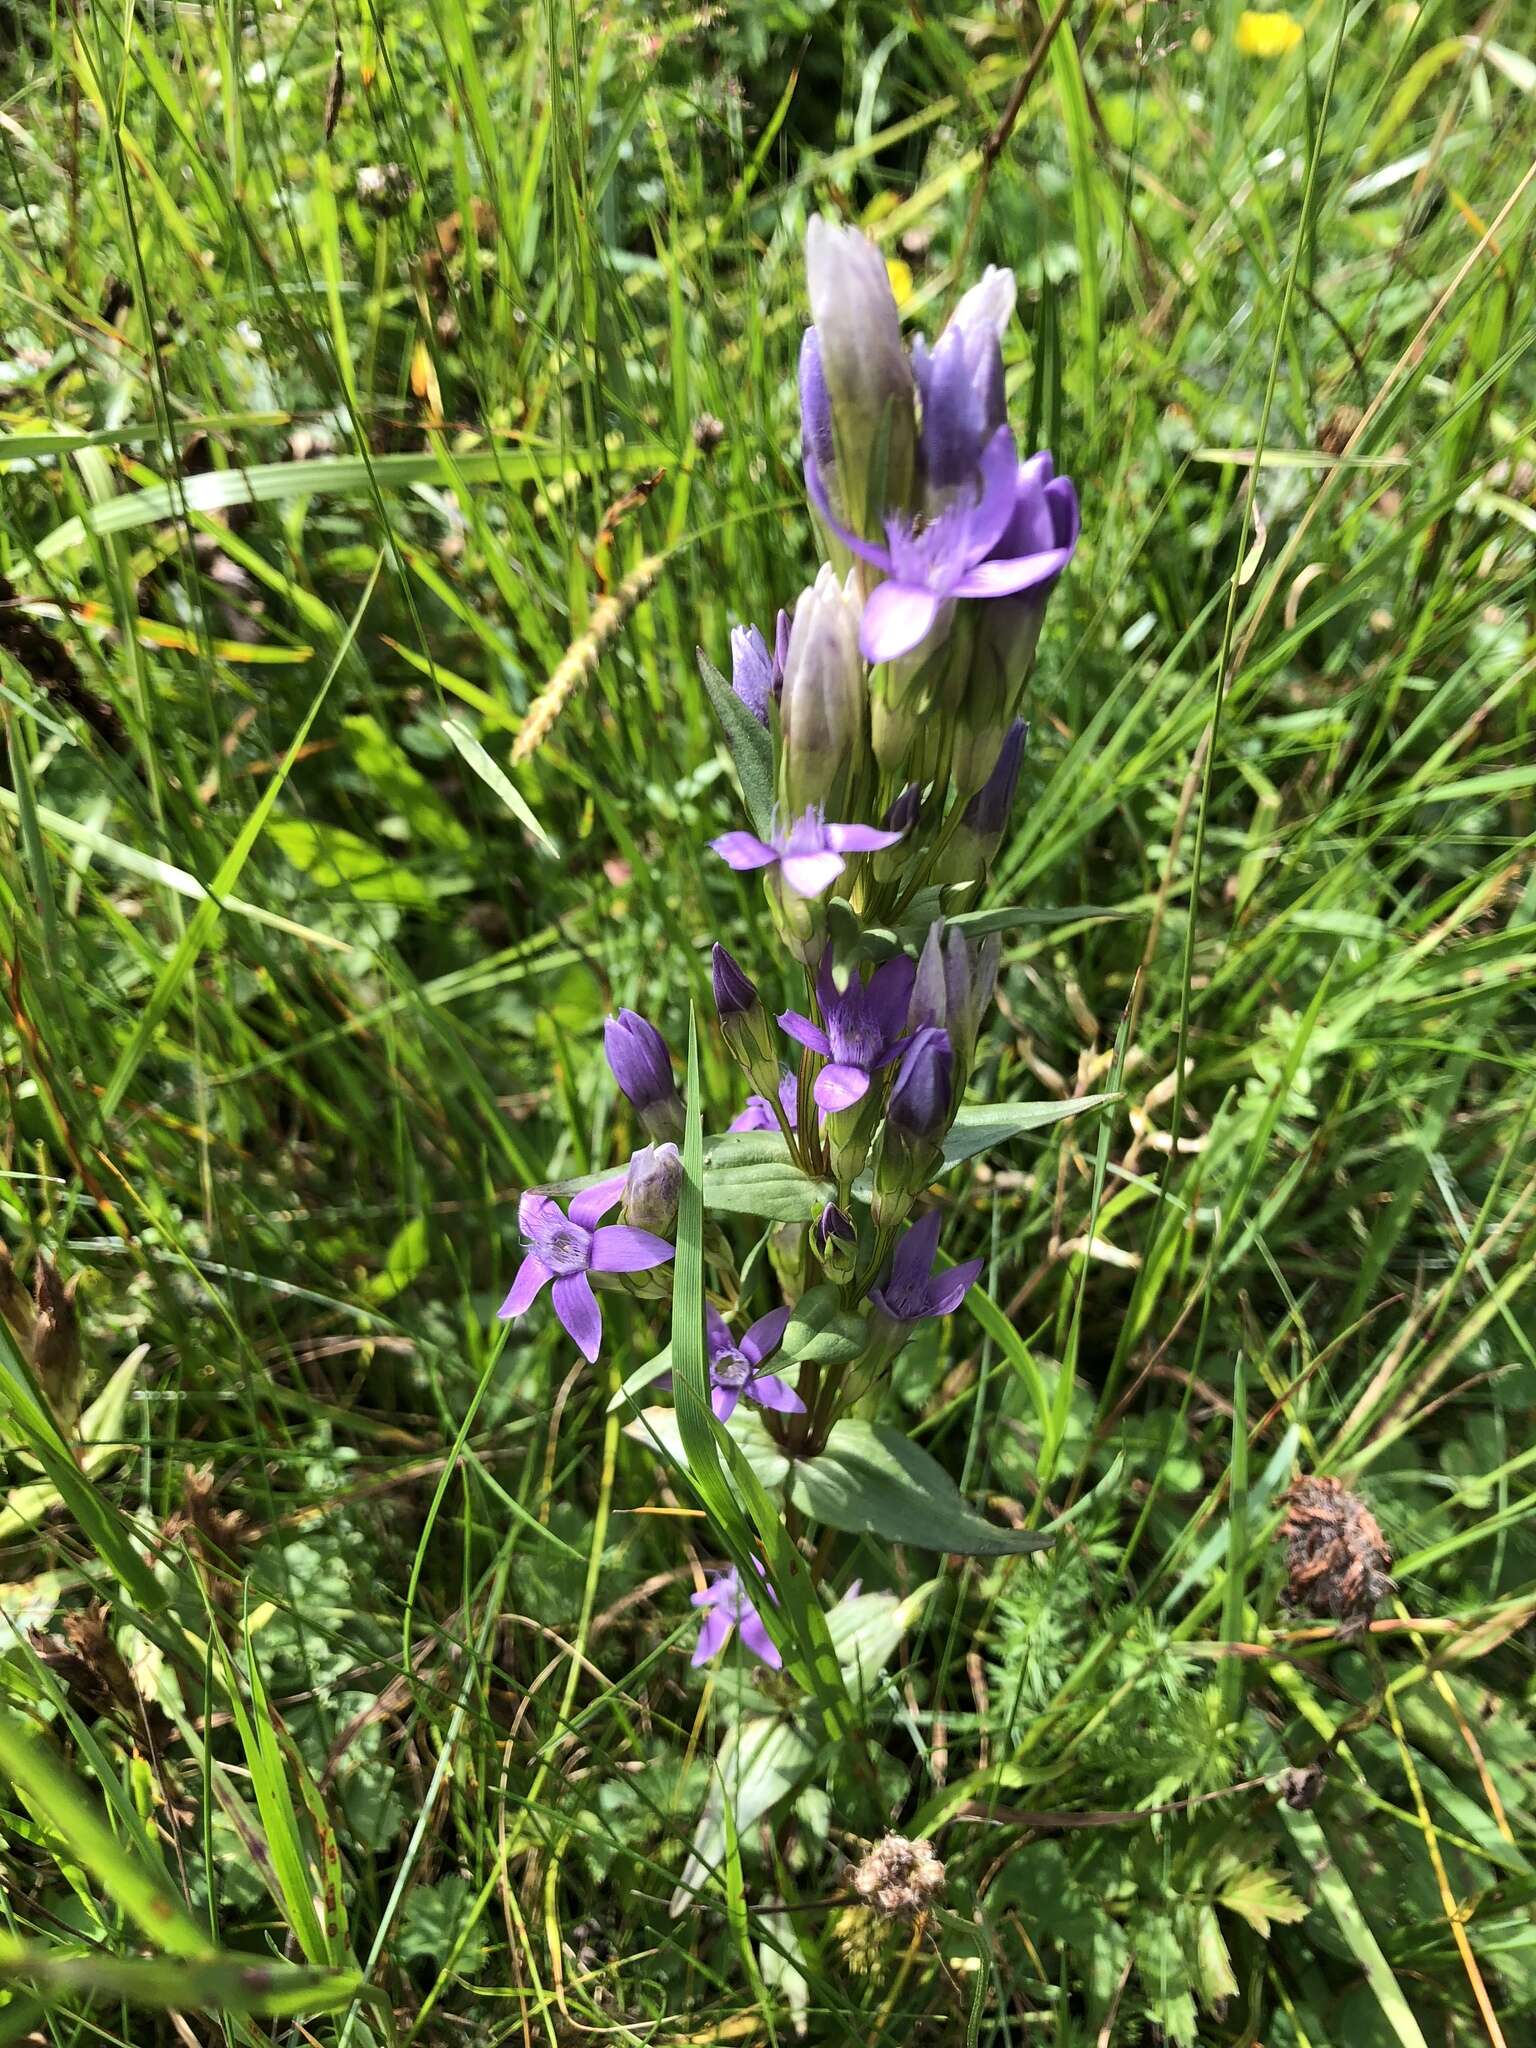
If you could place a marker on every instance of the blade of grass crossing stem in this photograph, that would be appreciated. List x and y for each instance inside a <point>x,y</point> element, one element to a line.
<point>46,1788</point>
<point>1067,72</point>
<point>1233,1667</point>
<point>226,1983</point>
<point>274,1801</point>
<point>208,912</point>
<point>797,1624</point>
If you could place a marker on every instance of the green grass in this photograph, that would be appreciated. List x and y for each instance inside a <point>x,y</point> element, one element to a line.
<point>297,1002</point>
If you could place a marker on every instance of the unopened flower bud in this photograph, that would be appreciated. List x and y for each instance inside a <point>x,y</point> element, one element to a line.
<point>835,1242</point>
<point>757,674</point>
<point>744,1024</point>
<point>917,1116</point>
<point>652,1186</point>
<point>56,1345</point>
<point>973,848</point>
<point>642,1066</point>
<point>860,364</point>
<point>823,705</point>
<point>970,979</point>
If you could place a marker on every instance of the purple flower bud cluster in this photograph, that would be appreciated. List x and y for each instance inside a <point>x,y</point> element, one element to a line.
<point>892,692</point>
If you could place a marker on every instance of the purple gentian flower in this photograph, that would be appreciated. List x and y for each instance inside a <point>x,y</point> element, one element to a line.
<point>642,1066</point>
<point>865,1023</point>
<point>565,1249</point>
<point>809,854</point>
<point>731,1606</point>
<point>758,1114</point>
<point>921,1094</point>
<point>736,1369</point>
<point>1012,530</point>
<point>912,1289</point>
<point>757,675</point>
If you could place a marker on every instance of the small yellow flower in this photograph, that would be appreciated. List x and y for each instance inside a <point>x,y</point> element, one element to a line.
<point>1267,35</point>
<point>900,274</point>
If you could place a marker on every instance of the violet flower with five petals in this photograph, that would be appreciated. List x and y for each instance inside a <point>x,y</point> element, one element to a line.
<point>912,1290</point>
<point>565,1249</point>
<point>809,853</point>
<point>865,1029</point>
<point>956,552</point>
<point>730,1606</point>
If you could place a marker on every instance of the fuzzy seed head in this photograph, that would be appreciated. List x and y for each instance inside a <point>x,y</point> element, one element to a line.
<point>898,1877</point>
<point>1335,1554</point>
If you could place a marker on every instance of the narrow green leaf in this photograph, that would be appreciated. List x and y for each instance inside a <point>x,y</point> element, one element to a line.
<point>750,746</point>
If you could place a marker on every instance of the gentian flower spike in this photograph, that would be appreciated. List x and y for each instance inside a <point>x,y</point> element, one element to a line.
<point>810,854</point>
<point>642,1066</point>
<point>565,1249</point>
<point>912,1290</point>
<point>865,1023</point>
<point>729,1606</point>
<point>736,1366</point>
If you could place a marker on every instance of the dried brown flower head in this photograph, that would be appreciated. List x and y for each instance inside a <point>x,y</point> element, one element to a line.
<point>56,1343</point>
<point>216,1536</point>
<point>1336,1556</point>
<point>899,1877</point>
<point>708,433</point>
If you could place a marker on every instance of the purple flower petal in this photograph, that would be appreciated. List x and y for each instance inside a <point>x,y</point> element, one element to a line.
<point>840,1087</point>
<point>889,994</point>
<point>913,1257</point>
<point>860,838</point>
<point>531,1275</point>
<point>897,618</point>
<point>577,1307</point>
<point>741,850</point>
<point>805,1033</point>
<point>620,1248</point>
<point>536,1213</point>
<point>769,1391</point>
<point>713,1636</point>
<point>723,1400</point>
<point>1006,579</point>
<point>764,1336</point>
<point>592,1204</point>
<point>757,1116</point>
<point>755,1637</point>
<point>999,491</point>
<point>811,874</point>
<point>816,491</point>
<point>947,1290</point>
<point>717,1335</point>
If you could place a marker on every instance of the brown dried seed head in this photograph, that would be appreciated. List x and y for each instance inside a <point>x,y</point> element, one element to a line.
<point>899,1877</point>
<point>708,432</point>
<point>1336,1556</point>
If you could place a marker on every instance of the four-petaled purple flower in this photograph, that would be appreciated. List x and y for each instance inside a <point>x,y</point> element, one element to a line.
<point>1012,530</point>
<point>809,853</point>
<point>729,1606</point>
<point>736,1365</point>
<point>865,1023</point>
<point>758,1114</point>
<point>565,1249</point>
<point>912,1289</point>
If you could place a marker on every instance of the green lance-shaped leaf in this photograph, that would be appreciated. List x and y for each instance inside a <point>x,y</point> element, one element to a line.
<point>750,747</point>
<point>222,1983</point>
<point>821,1331</point>
<point>872,1481</point>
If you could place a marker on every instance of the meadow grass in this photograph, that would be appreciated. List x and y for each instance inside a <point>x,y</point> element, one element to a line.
<point>393,401</point>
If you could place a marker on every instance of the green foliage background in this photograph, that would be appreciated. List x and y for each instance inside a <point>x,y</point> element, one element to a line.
<point>307,483</point>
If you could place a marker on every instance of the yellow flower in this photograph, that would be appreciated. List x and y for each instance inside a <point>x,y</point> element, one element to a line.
<point>900,275</point>
<point>1267,35</point>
